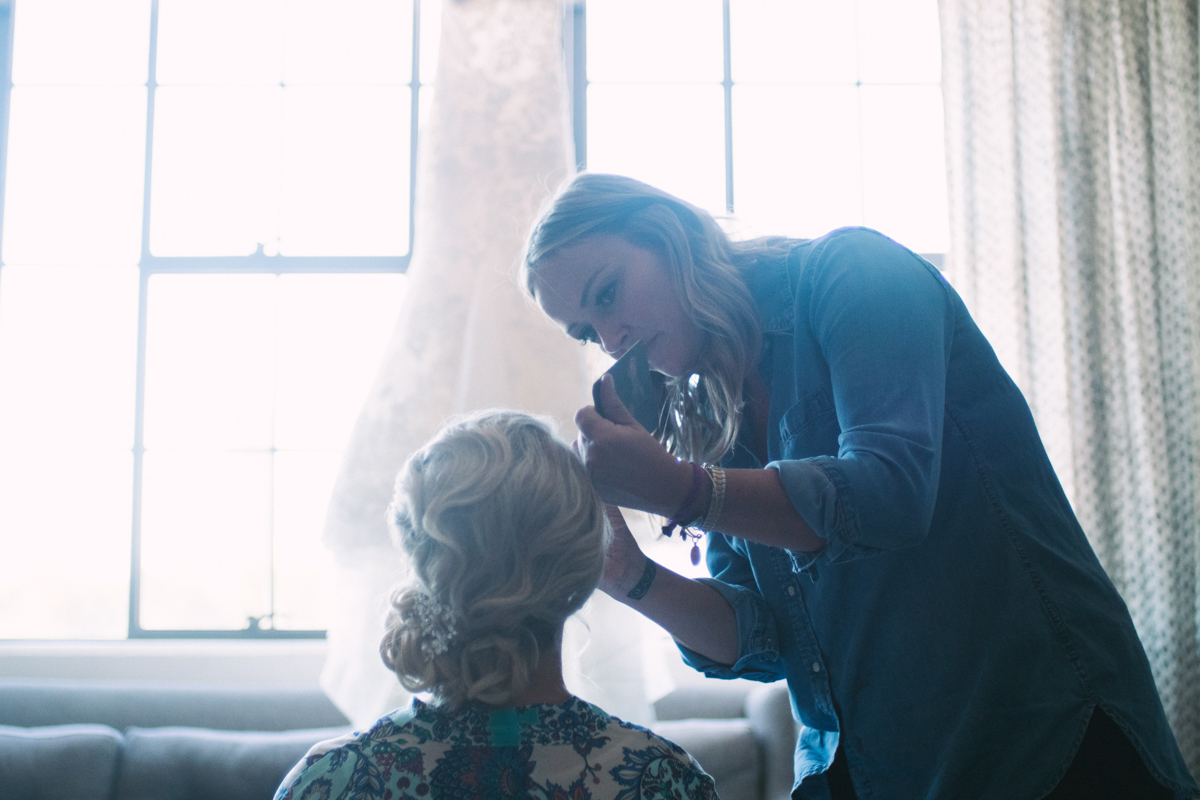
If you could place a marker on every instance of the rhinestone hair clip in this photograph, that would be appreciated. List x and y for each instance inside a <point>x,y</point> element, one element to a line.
<point>437,623</point>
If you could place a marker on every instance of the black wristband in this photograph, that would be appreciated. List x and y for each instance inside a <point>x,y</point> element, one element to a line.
<point>643,585</point>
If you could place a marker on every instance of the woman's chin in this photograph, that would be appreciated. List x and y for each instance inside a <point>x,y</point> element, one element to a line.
<point>655,358</point>
<point>672,371</point>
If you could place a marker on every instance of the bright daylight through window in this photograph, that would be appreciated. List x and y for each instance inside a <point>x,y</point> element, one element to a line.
<point>822,114</point>
<point>206,218</point>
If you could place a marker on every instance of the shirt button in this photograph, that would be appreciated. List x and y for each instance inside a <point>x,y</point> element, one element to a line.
<point>791,591</point>
<point>816,666</point>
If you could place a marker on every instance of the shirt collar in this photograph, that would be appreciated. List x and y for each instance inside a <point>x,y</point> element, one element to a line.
<point>771,285</point>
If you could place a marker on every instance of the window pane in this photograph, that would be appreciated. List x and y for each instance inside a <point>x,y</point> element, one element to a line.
<point>64,532</point>
<point>904,165</point>
<point>670,136</point>
<point>899,41</point>
<point>303,591</point>
<point>74,185</point>
<point>351,41</point>
<point>796,159</point>
<point>210,361</point>
<point>81,42</point>
<point>792,41</point>
<point>655,41</point>
<point>67,345</point>
<point>220,42</point>
<point>431,37</point>
<point>345,171</point>
<point>332,333</point>
<point>206,540</point>
<point>216,171</point>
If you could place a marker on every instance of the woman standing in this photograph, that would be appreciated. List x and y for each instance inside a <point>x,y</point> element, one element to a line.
<point>885,530</point>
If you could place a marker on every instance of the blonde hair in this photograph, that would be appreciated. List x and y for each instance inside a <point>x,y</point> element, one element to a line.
<point>507,536</point>
<point>703,415</point>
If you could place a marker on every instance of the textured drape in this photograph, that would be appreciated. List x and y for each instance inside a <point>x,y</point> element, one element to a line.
<point>1073,149</point>
<point>495,143</point>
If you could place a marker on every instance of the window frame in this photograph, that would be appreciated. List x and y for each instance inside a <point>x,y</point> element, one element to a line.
<point>150,265</point>
<point>256,263</point>
<point>575,50</point>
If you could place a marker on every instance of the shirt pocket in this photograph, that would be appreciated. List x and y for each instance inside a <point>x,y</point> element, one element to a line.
<point>810,427</point>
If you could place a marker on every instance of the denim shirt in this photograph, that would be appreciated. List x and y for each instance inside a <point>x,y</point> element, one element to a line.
<point>956,630</point>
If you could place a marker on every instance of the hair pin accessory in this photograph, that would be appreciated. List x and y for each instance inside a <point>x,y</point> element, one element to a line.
<point>437,622</point>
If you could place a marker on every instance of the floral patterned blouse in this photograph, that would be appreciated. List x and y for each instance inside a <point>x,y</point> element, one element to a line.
<point>571,751</point>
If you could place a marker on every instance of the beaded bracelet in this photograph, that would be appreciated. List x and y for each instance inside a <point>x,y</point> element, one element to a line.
<point>682,519</point>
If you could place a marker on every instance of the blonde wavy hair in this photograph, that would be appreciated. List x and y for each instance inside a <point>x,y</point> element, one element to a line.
<point>507,536</point>
<point>703,415</point>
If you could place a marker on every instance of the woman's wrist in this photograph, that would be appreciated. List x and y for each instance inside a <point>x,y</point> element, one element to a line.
<point>679,489</point>
<point>619,583</point>
<point>695,505</point>
<point>645,580</point>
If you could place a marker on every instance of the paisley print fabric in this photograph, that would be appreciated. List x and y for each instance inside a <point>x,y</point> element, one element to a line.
<point>572,751</point>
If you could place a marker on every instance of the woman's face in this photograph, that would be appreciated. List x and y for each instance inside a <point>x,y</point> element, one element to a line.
<point>609,291</point>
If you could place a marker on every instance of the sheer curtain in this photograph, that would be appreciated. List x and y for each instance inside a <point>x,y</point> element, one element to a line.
<point>495,142</point>
<point>1073,148</point>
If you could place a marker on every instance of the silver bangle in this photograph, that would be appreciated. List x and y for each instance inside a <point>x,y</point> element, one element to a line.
<point>716,501</point>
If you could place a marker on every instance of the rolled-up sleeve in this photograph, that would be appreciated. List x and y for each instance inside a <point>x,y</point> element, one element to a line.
<point>883,324</point>
<point>758,639</point>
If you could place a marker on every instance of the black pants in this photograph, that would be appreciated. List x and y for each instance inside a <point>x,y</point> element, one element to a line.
<point>1106,767</point>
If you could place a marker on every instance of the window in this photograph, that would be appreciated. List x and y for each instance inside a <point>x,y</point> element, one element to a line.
<point>207,216</point>
<point>791,117</point>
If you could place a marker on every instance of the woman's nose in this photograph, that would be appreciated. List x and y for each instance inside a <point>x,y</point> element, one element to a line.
<point>612,340</point>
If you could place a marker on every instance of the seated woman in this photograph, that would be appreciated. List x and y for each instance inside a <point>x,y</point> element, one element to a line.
<point>507,539</point>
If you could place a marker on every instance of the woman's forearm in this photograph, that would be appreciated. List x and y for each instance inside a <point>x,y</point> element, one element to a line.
<point>631,469</point>
<point>696,615</point>
<point>757,508</point>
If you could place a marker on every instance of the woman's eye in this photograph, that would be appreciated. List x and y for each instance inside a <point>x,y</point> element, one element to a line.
<point>607,295</point>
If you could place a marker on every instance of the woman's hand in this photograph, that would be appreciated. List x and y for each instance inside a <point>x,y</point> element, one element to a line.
<point>624,562</point>
<point>627,464</point>
<point>695,614</point>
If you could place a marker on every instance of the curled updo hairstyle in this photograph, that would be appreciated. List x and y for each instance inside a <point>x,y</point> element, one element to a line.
<point>705,266</point>
<point>506,538</point>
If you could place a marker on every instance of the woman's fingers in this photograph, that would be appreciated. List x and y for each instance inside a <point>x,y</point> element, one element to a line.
<point>616,518</point>
<point>630,467</point>
<point>614,408</point>
<point>589,422</point>
<point>624,562</point>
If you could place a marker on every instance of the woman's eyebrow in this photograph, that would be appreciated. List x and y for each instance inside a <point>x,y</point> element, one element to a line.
<point>587,287</point>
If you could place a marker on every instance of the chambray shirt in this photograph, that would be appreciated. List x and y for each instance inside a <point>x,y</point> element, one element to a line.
<point>956,630</point>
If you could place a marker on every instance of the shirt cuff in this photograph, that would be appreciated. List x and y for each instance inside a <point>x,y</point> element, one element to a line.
<point>758,644</point>
<point>824,499</point>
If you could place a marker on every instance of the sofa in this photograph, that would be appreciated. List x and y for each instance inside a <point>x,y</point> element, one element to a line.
<point>118,740</point>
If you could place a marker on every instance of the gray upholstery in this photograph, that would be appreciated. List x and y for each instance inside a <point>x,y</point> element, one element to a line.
<point>194,764</point>
<point>60,762</point>
<point>239,741</point>
<point>727,750</point>
<point>711,721</point>
<point>143,704</point>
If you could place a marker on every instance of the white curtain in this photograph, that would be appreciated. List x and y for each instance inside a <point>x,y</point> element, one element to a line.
<point>496,141</point>
<point>1073,148</point>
